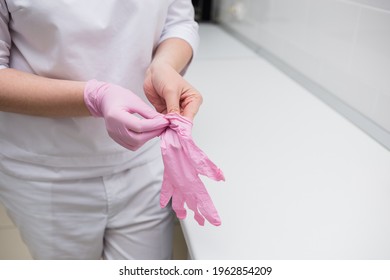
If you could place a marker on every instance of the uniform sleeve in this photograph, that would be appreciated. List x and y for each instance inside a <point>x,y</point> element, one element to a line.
<point>5,37</point>
<point>180,23</point>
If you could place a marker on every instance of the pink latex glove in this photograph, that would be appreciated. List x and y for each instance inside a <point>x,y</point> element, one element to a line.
<point>117,106</point>
<point>183,162</point>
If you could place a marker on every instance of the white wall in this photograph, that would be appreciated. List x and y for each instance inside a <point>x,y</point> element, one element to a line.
<point>343,45</point>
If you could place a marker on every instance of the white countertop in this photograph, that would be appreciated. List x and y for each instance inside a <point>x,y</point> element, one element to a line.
<point>302,182</point>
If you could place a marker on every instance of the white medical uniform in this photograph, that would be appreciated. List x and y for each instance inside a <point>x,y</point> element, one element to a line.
<point>73,191</point>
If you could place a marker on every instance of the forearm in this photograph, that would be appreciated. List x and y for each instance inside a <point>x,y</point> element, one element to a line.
<point>175,52</point>
<point>29,94</point>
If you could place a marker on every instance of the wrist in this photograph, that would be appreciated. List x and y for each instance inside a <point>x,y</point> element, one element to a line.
<point>93,95</point>
<point>162,65</point>
<point>175,52</point>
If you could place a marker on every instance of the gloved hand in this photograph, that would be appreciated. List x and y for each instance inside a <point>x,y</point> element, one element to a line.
<point>117,106</point>
<point>183,162</point>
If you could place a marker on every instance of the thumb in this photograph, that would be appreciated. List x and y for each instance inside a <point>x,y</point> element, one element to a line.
<point>172,100</point>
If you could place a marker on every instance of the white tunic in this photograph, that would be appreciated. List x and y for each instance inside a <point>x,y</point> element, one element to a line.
<point>108,40</point>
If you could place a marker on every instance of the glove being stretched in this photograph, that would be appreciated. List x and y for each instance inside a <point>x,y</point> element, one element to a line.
<point>183,162</point>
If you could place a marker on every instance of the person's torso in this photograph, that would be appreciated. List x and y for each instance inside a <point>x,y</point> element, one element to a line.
<point>110,40</point>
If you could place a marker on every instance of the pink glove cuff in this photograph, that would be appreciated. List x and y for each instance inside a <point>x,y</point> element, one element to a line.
<point>92,97</point>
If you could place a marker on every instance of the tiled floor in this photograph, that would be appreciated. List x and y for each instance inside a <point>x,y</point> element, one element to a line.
<point>11,245</point>
<point>179,244</point>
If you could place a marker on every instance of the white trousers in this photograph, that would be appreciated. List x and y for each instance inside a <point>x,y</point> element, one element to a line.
<point>111,217</point>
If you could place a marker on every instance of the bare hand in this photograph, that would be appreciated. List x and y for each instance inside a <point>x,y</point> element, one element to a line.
<point>169,92</point>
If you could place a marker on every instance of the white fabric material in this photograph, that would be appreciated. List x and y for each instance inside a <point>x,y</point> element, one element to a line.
<point>114,217</point>
<point>111,41</point>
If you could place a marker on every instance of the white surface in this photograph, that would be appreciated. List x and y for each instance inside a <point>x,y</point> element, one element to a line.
<point>219,45</point>
<point>301,181</point>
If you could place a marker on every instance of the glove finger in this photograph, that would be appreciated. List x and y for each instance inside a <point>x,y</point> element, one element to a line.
<point>132,132</point>
<point>123,143</point>
<point>201,161</point>
<point>178,205</point>
<point>130,140</point>
<point>192,204</point>
<point>145,110</point>
<point>133,123</point>
<point>138,139</point>
<point>208,210</point>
